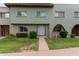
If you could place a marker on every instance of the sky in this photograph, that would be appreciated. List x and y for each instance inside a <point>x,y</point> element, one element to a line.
<point>2,5</point>
<point>39,1</point>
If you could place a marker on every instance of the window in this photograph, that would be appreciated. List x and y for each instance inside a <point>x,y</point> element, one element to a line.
<point>4,15</point>
<point>0,15</point>
<point>59,14</point>
<point>21,13</point>
<point>23,29</point>
<point>41,13</point>
<point>76,14</point>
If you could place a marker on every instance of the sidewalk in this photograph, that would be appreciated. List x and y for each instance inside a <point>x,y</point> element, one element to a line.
<point>59,52</point>
<point>42,44</point>
<point>2,37</point>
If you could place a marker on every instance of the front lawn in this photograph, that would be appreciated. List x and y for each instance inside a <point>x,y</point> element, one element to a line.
<point>62,43</point>
<point>12,44</point>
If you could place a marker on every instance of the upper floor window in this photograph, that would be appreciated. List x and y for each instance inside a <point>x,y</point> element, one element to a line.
<point>23,29</point>
<point>4,15</point>
<point>7,15</point>
<point>76,14</point>
<point>41,13</point>
<point>21,13</point>
<point>59,14</point>
<point>0,15</point>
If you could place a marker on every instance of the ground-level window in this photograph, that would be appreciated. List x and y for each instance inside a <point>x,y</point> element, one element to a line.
<point>23,29</point>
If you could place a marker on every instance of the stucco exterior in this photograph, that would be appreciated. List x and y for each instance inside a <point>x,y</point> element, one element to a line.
<point>4,21</point>
<point>69,21</point>
<point>15,29</point>
<point>49,21</point>
<point>31,17</point>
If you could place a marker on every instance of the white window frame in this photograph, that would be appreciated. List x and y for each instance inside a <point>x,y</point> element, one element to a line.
<point>59,14</point>
<point>7,15</point>
<point>0,15</point>
<point>76,14</point>
<point>4,15</point>
<point>41,14</point>
<point>23,29</point>
<point>22,13</point>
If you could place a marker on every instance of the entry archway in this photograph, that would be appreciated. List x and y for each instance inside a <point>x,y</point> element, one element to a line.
<point>56,30</point>
<point>75,30</point>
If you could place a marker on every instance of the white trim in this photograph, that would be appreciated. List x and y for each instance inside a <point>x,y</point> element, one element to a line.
<point>41,30</point>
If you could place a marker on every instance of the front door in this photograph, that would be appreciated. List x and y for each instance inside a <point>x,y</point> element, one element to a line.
<point>4,30</point>
<point>75,30</point>
<point>41,30</point>
<point>0,31</point>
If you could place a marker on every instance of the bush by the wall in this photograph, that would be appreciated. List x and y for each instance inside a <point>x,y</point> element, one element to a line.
<point>72,35</point>
<point>33,35</point>
<point>22,35</point>
<point>11,36</point>
<point>63,34</point>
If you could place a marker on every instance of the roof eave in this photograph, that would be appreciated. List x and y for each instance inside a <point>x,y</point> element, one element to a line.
<point>44,5</point>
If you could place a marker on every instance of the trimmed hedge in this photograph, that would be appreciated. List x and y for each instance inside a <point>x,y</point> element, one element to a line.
<point>33,35</point>
<point>72,35</point>
<point>23,35</point>
<point>63,34</point>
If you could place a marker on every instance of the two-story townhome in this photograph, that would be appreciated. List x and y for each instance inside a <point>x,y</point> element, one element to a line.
<point>4,21</point>
<point>46,19</point>
<point>28,17</point>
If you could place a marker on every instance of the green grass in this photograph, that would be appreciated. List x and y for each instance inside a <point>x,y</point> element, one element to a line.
<point>12,44</point>
<point>62,43</point>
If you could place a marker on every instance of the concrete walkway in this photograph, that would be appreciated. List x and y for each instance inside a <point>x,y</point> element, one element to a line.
<point>42,44</point>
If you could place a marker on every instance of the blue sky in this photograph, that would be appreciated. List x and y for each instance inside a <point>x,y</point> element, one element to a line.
<point>39,1</point>
<point>2,5</point>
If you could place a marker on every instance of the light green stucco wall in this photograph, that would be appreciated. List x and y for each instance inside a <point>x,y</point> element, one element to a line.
<point>68,22</point>
<point>31,17</point>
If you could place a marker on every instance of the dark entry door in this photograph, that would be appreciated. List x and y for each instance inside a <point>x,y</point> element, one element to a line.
<point>75,30</point>
<point>4,30</point>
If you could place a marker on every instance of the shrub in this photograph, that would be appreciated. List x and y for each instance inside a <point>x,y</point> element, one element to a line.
<point>33,35</point>
<point>10,36</point>
<point>63,34</point>
<point>23,35</point>
<point>72,35</point>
